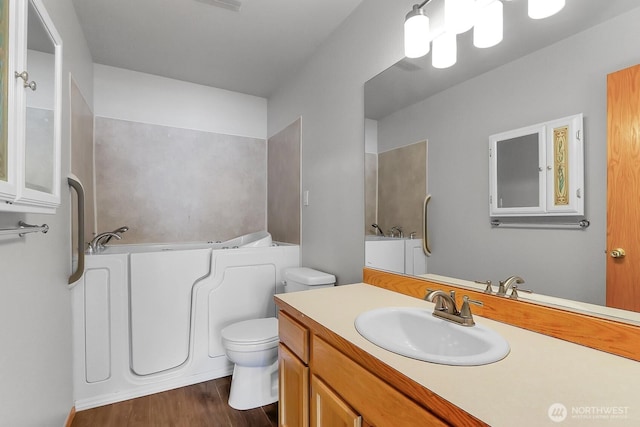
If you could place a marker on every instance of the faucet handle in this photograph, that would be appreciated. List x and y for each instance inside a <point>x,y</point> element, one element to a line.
<point>465,310</point>
<point>515,289</point>
<point>488,289</point>
<point>501,289</point>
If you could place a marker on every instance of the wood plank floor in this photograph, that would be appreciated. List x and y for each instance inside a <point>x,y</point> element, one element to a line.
<point>203,404</point>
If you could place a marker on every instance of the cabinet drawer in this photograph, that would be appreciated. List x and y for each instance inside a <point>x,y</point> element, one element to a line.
<point>294,335</point>
<point>378,402</point>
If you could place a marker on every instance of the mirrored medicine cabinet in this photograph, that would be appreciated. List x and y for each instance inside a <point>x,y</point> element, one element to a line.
<point>31,72</point>
<point>538,170</point>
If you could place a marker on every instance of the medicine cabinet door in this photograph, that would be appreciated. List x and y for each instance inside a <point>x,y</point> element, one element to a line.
<point>565,166</point>
<point>516,178</point>
<point>31,90</point>
<point>8,154</point>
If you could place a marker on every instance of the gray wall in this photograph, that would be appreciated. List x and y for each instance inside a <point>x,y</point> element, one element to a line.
<point>328,94</point>
<point>35,309</point>
<point>564,79</point>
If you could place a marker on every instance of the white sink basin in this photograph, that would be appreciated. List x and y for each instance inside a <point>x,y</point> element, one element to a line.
<point>416,333</point>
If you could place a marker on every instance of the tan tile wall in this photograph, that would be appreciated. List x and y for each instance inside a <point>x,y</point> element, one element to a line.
<point>82,161</point>
<point>402,186</point>
<point>370,192</point>
<point>178,185</point>
<point>283,210</point>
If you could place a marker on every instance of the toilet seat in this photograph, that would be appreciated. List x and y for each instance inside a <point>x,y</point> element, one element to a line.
<point>251,335</point>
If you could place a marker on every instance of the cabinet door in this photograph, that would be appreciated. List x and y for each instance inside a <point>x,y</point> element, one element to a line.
<point>565,174</point>
<point>293,402</point>
<point>8,147</point>
<point>328,409</point>
<point>517,181</point>
<point>31,82</point>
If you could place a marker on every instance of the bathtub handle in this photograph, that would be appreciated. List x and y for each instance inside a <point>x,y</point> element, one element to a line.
<point>425,233</point>
<point>75,183</point>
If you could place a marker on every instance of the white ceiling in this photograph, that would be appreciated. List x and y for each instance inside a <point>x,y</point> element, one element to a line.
<point>251,51</point>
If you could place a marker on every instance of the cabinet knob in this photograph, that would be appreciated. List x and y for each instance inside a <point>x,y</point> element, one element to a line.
<point>618,253</point>
<point>25,76</point>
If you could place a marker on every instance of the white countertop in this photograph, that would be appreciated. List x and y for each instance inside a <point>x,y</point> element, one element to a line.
<point>596,388</point>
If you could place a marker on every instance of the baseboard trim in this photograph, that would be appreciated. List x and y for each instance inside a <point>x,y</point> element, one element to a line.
<point>70,417</point>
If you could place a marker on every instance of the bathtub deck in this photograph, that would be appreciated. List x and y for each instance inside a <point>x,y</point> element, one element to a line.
<point>203,404</point>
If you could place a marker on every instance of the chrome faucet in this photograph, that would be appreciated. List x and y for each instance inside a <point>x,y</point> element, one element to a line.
<point>378,229</point>
<point>97,243</point>
<point>508,283</point>
<point>488,289</point>
<point>120,230</point>
<point>446,307</point>
<point>397,230</point>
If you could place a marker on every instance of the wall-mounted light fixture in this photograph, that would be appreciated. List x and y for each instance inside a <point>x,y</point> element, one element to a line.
<point>484,16</point>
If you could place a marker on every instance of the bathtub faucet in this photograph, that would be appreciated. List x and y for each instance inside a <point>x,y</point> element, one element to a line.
<point>117,231</point>
<point>97,243</point>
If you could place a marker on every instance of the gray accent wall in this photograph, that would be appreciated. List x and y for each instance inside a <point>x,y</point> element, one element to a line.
<point>283,210</point>
<point>178,185</point>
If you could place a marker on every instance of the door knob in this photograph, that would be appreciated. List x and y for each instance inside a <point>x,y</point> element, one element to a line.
<point>618,253</point>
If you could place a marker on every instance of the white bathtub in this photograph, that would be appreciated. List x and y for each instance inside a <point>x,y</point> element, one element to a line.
<point>147,318</point>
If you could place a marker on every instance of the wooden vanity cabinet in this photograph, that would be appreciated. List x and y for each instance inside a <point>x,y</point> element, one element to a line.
<point>293,373</point>
<point>293,398</point>
<point>328,409</point>
<point>322,386</point>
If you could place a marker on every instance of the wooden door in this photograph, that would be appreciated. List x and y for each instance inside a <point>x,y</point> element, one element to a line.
<point>293,399</point>
<point>328,409</point>
<point>623,189</point>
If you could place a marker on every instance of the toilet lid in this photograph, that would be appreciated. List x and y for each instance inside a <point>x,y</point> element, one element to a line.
<point>252,331</point>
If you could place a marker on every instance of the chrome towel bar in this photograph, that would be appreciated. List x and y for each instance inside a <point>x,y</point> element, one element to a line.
<point>581,224</point>
<point>24,228</point>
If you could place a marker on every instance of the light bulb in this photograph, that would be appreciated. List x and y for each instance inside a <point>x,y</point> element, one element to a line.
<point>489,22</point>
<point>416,33</point>
<point>539,9</point>
<point>458,15</point>
<point>445,50</point>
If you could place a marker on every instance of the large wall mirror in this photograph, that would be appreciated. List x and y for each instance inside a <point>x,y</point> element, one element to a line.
<point>541,71</point>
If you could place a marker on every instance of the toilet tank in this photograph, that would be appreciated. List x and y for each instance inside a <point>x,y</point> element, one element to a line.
<point>303,279</point>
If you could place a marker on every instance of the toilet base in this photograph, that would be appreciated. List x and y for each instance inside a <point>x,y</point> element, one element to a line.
<point>253,386</point>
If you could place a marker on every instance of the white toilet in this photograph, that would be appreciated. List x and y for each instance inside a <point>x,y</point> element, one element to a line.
<point>252,345</point>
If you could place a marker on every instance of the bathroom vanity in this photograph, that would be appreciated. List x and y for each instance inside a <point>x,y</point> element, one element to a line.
<point>330,375</point>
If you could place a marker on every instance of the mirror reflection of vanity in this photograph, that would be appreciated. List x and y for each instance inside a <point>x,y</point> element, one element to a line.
<point>540,72</point>
<point>32,72</point>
